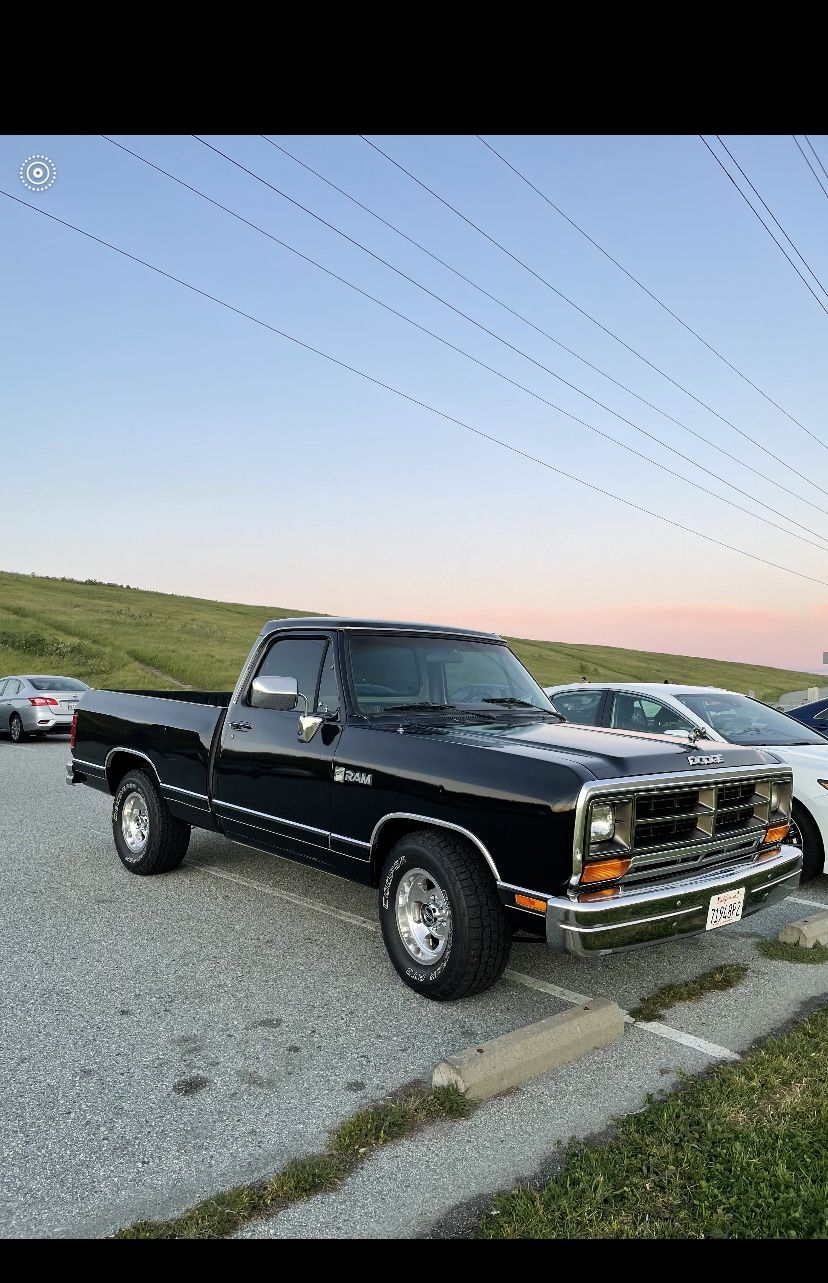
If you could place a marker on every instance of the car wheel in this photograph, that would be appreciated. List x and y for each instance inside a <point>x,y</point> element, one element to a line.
<point>442,921</point>
<point>16,729</point>
<point>805,834</point>
<point>147,837</point>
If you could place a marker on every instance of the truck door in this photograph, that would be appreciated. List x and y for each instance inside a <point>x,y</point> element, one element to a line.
<point>269,788</point>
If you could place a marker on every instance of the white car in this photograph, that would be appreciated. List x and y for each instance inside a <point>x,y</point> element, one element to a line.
<point>666,709</point>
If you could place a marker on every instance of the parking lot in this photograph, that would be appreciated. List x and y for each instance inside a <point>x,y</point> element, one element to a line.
<point>167,1038</point>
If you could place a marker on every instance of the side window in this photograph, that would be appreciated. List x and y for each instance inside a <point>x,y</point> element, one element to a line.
<point>2,687</point>
<point>640,713</point>
<point>329,700</point>
<point>580,707</point>
<point>300,658</point>
<point>12,687</point>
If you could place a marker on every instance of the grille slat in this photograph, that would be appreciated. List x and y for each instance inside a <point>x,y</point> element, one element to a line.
<point>695,826</point>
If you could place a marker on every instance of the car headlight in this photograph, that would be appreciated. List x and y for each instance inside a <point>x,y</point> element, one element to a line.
<point>602,822</point>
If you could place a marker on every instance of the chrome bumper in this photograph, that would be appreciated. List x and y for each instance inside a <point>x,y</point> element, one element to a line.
<point>647,915</point>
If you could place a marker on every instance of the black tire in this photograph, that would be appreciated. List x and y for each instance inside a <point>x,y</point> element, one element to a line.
<point>809,839</point>
<point>18,735</point>
<point>477,936</point>
<point>166,838</point>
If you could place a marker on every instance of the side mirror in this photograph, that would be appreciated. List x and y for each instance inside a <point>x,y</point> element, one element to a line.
<point>280,693</point>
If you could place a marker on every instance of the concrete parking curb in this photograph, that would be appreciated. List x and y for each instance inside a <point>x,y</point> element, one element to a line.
<point>491,1067</point>
<point>807,932</point>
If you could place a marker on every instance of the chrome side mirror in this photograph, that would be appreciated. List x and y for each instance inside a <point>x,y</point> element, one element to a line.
<point>274,692</point>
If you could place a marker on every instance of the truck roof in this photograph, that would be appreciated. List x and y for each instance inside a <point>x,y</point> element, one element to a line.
<point>375,625</point>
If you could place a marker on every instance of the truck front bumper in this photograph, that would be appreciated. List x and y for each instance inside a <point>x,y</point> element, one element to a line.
<point>640,916</point>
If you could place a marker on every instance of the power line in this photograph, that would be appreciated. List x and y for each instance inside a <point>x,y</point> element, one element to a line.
<point>649,292</point>
<point>492,334</point>
<point>749,203</point>
<point>767,207</point>
<point>588,316</point>
<point>423,405</point>
<point>498,373</point>
<point>808,163</point>
<point>713,445</point>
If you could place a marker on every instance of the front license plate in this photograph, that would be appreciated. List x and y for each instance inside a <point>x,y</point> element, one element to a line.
<point>725,908</point>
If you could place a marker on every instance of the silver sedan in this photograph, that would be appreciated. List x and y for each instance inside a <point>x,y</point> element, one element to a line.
<point>36,705</point>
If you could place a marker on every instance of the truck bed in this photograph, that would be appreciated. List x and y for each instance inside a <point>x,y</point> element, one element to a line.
<point>173,731</point>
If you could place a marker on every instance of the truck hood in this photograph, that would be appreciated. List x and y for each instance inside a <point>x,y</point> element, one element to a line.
<point>605,754</point>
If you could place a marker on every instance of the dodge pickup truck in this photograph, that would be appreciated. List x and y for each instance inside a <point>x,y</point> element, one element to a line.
<point>427,762</point>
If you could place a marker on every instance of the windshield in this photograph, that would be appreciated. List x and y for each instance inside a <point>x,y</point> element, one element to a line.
<point>428,674</point>
<point>55,684</point>
<point>745,721</point>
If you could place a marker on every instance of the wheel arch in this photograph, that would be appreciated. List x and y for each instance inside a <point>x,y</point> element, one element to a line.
<point>121,760</point>
<point>397,824</point>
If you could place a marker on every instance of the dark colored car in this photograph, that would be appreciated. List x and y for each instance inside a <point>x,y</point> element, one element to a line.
<point>814,715</point>
<point>428,763</point>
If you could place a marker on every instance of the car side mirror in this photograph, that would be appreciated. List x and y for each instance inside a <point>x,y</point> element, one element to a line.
<point>281,693</point>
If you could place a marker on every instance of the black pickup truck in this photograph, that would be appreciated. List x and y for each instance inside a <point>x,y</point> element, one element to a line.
<point>428,762</point>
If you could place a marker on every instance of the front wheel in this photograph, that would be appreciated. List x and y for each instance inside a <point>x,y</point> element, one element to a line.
<point>806,835</point>
<point>148,839</point>
<point>442,921</point>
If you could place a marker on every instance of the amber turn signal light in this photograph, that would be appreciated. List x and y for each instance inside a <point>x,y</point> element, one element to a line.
<point>531,902</point>
<point>606,894</point>
<point>604,870</point>
<point>778,833</point>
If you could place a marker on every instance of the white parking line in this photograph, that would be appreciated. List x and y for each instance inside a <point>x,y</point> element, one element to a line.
<point>531,982</point>
<point>289,896</point>
<point>711,1049</point>
<point>798,899</point>
<point>667,1032</point>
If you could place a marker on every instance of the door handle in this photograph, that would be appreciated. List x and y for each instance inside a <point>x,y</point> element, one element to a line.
<point>240,726</point>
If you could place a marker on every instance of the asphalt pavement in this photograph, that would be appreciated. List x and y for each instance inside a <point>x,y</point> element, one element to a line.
<point>166,1038</point>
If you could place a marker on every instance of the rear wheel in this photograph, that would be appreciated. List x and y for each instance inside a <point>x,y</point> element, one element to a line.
<point>442,921</point>
<point>806,835</point>
<point>147,837</point>
<point>16,729</point>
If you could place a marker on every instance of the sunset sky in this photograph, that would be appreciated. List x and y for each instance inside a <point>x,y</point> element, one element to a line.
<point>152,437</point>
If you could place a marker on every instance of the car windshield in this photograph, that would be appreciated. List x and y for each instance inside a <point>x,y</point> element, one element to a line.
<point>56,684</point>
<point>413,674</point>
<point>745,721</point>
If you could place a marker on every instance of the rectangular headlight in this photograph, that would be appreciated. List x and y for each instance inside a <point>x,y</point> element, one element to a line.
<point>602,822</point>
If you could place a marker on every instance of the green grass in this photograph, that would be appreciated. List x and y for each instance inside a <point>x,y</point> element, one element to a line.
<point>780,952</point>
<point>656,1004</point>
<point>349,1145</point>
<point>110,635</point>
<point>740,1153</point>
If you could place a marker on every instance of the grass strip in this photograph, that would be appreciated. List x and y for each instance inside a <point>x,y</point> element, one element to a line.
<point>780,952</point>
<point>739,1153</point>
<point>349,1145</point>
<point>656,1004</point>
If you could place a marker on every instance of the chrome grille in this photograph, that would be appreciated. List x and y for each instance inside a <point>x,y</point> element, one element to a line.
<point>703,822</point>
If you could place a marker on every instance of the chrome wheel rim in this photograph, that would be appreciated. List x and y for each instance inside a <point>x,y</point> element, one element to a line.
<point>135,823</point>
<point>15,728</point>
<point>423,916</point>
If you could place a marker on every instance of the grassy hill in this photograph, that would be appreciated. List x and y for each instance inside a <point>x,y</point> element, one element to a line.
<point>109,635</point>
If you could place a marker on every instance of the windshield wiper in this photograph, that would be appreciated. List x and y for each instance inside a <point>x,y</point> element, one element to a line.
<point>510,702</point>
<point>407,708</point>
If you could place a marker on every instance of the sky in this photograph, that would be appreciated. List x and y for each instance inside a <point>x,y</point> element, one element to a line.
<point>151,436</point>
